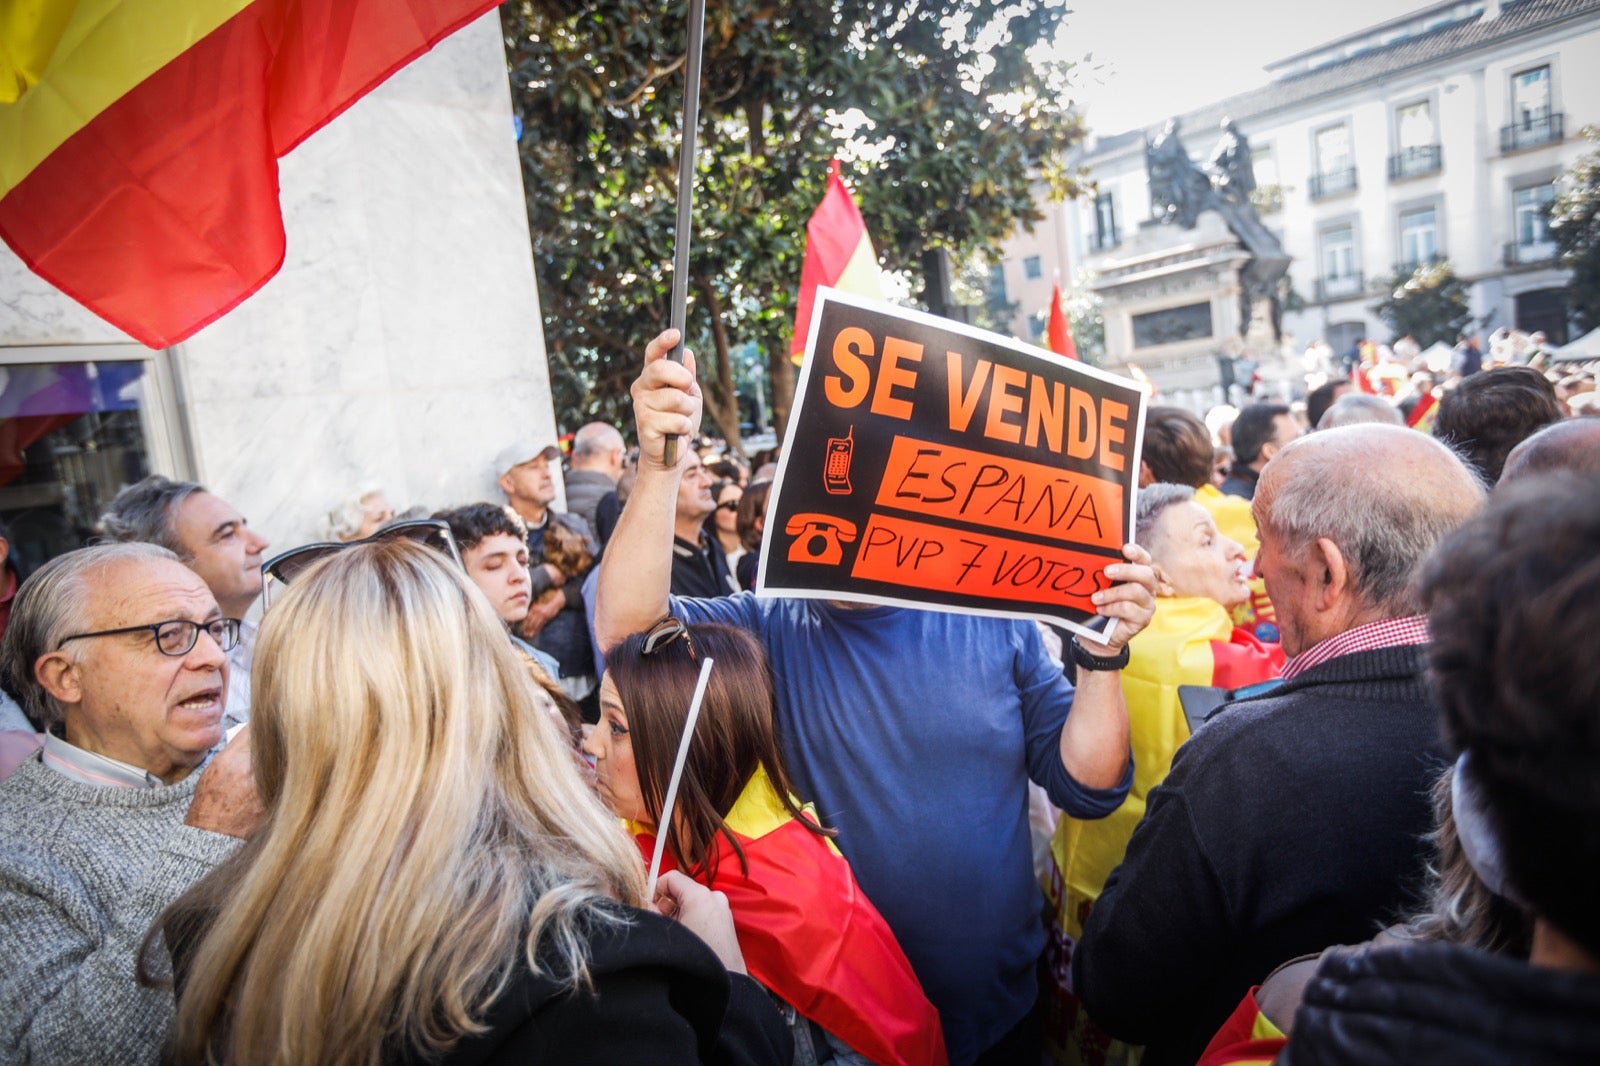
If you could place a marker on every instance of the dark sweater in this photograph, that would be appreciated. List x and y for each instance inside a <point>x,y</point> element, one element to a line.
<point>1289,822</point>
<point>1426,1003</point>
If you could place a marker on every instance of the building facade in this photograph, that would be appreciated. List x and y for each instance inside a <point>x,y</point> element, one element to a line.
<point>400,343</point>
<point>1436,135</point>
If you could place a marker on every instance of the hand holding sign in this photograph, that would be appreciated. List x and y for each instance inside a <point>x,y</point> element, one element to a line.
<point>1131,600</point>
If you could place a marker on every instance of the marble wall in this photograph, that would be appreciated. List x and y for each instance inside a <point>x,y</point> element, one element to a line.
<point>401,341</point>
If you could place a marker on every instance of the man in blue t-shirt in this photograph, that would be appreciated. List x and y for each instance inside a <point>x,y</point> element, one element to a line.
<point>915,733</point>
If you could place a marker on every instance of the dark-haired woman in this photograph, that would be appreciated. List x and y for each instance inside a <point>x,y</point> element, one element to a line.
<point>807,932</point>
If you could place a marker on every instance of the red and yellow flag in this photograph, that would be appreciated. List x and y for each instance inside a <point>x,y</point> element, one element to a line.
<point>139,139</point>
<point>1247,1038</point>
<point>838,254</point>
<point>1060,336</point>
<point>810,934</point>
<point>1422,415</point>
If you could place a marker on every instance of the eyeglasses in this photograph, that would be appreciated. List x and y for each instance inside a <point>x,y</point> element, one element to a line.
<point>284,568</point>
<point>175,638</point>
<point>728,505</point>
<point>666,632</point>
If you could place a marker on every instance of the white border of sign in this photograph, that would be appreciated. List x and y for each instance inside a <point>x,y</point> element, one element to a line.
<point>826,295</point>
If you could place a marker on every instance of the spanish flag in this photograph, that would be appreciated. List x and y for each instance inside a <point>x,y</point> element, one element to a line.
<point>811,936</point>
<point>139,139</point>
<point>838,254</point>
<point>1190,641</point>
<point>1247,1038</point>
<point>1059,335</point>
<point>1423,414</point>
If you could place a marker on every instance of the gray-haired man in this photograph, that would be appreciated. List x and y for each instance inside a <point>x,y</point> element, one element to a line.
<point>119,650</point>
<point>1292,820</point>
<point>214,540</point>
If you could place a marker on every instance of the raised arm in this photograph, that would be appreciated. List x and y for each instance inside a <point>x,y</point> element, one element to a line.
<point>636,571</point>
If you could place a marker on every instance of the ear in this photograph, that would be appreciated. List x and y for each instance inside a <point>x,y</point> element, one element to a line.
<point>59,676</point>
<point>1145,476</point>
<point>1333,582</point>
<point>505,484</point>
<point>1163,586</point>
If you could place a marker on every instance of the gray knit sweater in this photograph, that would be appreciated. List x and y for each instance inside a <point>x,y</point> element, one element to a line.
<point>84,872</point>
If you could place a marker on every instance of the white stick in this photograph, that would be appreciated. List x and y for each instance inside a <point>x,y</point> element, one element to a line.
<point>665,825</point>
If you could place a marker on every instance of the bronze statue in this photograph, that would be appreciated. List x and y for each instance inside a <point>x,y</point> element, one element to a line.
<point>1180,191</point>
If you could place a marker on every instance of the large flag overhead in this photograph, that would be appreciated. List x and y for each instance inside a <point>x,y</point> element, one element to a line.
<point>838,253</point>
<point>139,139</point>
<point>1060,336</point>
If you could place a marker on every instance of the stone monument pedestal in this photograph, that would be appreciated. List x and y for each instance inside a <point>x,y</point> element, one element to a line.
<point>1173,305</point>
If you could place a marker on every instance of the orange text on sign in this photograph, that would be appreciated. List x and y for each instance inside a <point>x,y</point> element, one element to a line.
<point>948,482</point>
<point>1001,402</point>
<point>901,551</point>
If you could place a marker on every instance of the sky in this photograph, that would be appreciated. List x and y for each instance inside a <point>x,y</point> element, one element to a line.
<point>1151,59</point>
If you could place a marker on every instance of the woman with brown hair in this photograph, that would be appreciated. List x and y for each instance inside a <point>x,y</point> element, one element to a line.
<point>807,931</point>
<point>431,880</point>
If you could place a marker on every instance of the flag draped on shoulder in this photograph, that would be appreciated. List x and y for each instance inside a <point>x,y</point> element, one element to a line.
<point>139,139</point>
<point>1060,336</point>
<point>811,936</point>
<point>838,254</point>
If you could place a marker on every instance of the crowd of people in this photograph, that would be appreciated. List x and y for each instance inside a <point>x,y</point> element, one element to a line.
<point>1327,793</point>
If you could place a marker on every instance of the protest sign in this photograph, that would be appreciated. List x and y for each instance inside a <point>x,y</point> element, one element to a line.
<point>931,464</point>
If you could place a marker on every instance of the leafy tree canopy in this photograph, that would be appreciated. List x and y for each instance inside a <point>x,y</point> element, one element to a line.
<point>1575,225</point>
<point>1430,304</point>
<point>945,121</point>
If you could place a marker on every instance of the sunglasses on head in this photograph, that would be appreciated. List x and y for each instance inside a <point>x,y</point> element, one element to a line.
<point>286,567</point>
<point>665,633</point>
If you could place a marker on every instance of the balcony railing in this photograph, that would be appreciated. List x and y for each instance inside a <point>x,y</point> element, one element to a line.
<point>1415,162</point>
<point>1340,287</point>
<point>1530,253</point>
<point>1104,242</point>
<point>1533,130</point>
<point>1332,183</point>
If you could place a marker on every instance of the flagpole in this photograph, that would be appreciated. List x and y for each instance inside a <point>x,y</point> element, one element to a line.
<point>686,154</point>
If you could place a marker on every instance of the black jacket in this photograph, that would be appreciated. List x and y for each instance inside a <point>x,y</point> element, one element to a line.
<point>1439,1003</point>
<point>1289,822</point>
<point>658,995</point>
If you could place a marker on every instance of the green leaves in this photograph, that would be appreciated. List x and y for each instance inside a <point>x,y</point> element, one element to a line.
<point>1575,225</point>
<point>1430,303</point>
<point>959,127</point>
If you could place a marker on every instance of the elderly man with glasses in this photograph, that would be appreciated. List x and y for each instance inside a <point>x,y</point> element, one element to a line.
<point>120,652</point>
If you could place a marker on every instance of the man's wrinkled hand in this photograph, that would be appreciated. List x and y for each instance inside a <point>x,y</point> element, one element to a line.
<point>225,798</point>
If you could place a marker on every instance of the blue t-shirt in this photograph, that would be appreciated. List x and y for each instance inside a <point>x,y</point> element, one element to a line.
<point>915,733</point>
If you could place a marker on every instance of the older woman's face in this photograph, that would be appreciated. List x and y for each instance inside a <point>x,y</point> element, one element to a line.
<point>612,750</point>
<point>1196,559</point>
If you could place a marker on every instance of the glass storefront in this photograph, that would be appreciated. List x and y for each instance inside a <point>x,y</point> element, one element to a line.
<point>75,427</point>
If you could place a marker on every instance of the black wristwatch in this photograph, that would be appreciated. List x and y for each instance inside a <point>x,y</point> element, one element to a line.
<point>1089,661</point>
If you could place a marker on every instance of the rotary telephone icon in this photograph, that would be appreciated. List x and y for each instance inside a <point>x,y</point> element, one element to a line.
<point>817,538</point>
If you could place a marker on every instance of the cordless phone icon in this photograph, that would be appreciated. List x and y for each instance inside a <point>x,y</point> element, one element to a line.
<point>836,471</point>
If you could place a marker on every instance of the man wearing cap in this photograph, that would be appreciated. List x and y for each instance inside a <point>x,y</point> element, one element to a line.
<point>559,627</point>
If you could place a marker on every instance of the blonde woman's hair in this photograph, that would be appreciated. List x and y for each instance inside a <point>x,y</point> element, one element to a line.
<point>424,823</point>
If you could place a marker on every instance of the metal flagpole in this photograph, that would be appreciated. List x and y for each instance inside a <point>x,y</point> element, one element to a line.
<point>686,155</point>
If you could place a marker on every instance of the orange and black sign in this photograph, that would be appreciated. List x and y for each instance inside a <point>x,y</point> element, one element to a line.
<point>931,464</point>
